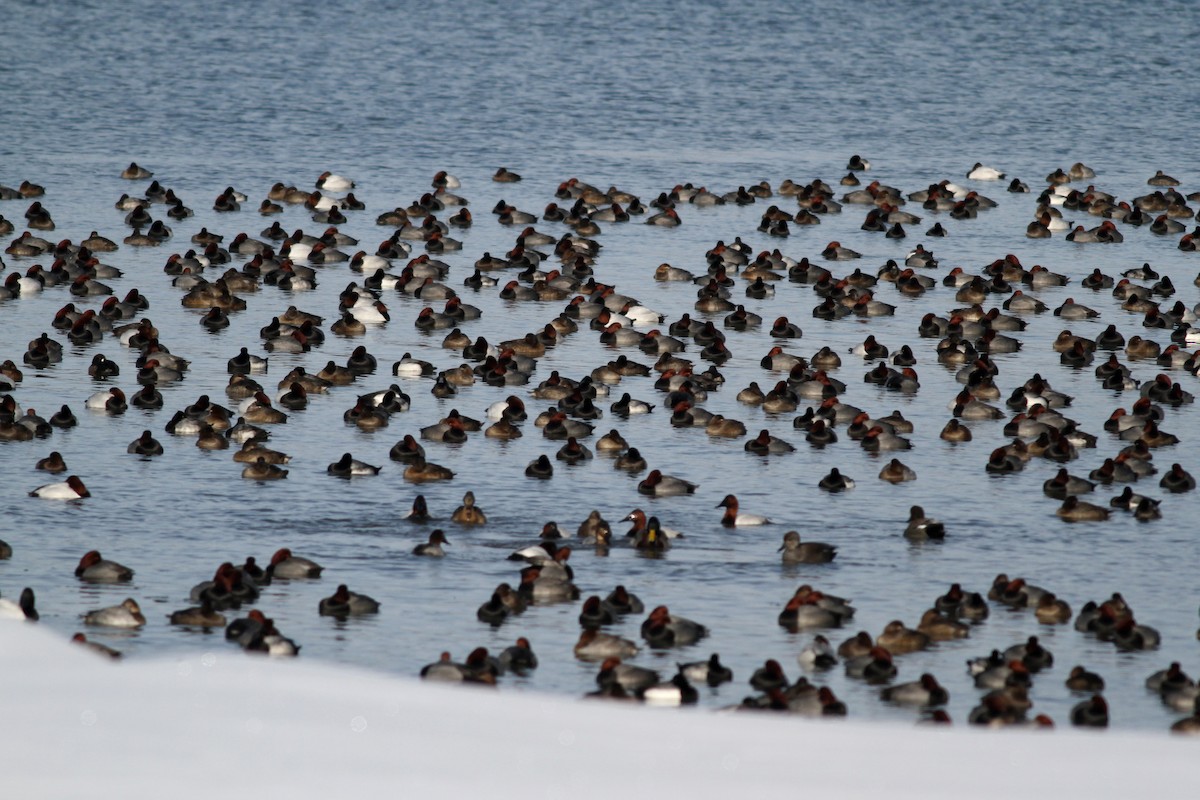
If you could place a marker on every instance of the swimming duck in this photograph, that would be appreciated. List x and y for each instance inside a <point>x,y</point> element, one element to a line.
<point>52,463</point>
<point>797,552</point>
<point>899,639</point>
<point>659,485</point>
<point>202,616</point>
<point>126,615</point>
<point>923,692</point>
<point>835,482</point>
<point>1081,680</point>
<point>922,527</point>
<point>25,609</point>
<point>289,567</point>
<point>70,489</point>
<point>94,569</point>
<point>664,629</point>
<point>1075,510</point>
<point>733,519</point>
<point>419,470</point>
<point>344,603</point>
<point>347,466</point>
<point>710,671</point>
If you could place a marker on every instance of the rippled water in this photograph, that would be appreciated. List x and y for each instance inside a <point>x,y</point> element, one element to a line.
<point>644,98</point>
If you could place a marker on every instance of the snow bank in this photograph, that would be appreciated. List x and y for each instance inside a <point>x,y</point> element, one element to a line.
<point>227,722</point>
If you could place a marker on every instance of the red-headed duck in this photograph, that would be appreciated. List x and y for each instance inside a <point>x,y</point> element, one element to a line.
<point>287,566</point>
<point>71,489</point>
<point>664,629</point>
<point>95,569</point>
<point>658,485</point>
<point>733,519</point>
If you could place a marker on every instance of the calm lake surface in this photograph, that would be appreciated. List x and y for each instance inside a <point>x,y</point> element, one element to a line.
<point>721,95</point>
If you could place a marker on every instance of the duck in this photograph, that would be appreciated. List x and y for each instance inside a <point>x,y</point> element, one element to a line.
<point>923,527</point>
<point>940,628</point>
<point>289,567</point>
<point>594,645</point>
<point>835,482</point>
<point>664,629</point>
<point>468,513</point>
<point>345,603</point>
<point>52,463</point>
<point>1075,510</point>
<point>70,489</point>
<point>95,569</point>
<point>981,173</point>
<point>126,615</point>
<point>519,657</point>
<point>202,616</point>
<point>710,671</point>
<point>261,470</point>
<point>797,552</point>
<point>24,609</point>
<point>1091,713</point>
<point>899,639</point>
<point>897,472</point>
<point>419,470</point>
<point>658,485</point>
<point>924,692</point>
<point>733,519</point>
<point>348,466</point>
<point>1081,680</point>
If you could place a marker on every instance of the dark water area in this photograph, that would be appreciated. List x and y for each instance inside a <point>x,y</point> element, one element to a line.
<point>644,97</point>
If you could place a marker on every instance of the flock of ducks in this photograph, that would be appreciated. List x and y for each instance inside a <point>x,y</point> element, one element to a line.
<point>215,275</point>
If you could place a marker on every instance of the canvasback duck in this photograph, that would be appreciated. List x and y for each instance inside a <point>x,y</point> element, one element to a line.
<point>658,485</point>
<point>70,489</point>
<point>981,173</point>
<point>126,615</point>
<point>733,519</point>
<point>433,547</point>
<point>345,603</point>
<point>641,524</point>
<point>24,609</point>
<point>289,567</point>
<point>797,552</point>
<point>95,569</point>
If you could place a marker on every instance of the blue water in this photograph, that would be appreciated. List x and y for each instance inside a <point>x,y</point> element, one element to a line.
<point>644,97</point>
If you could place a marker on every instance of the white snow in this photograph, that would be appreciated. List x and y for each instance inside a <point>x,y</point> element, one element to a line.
<point>229,724</point>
